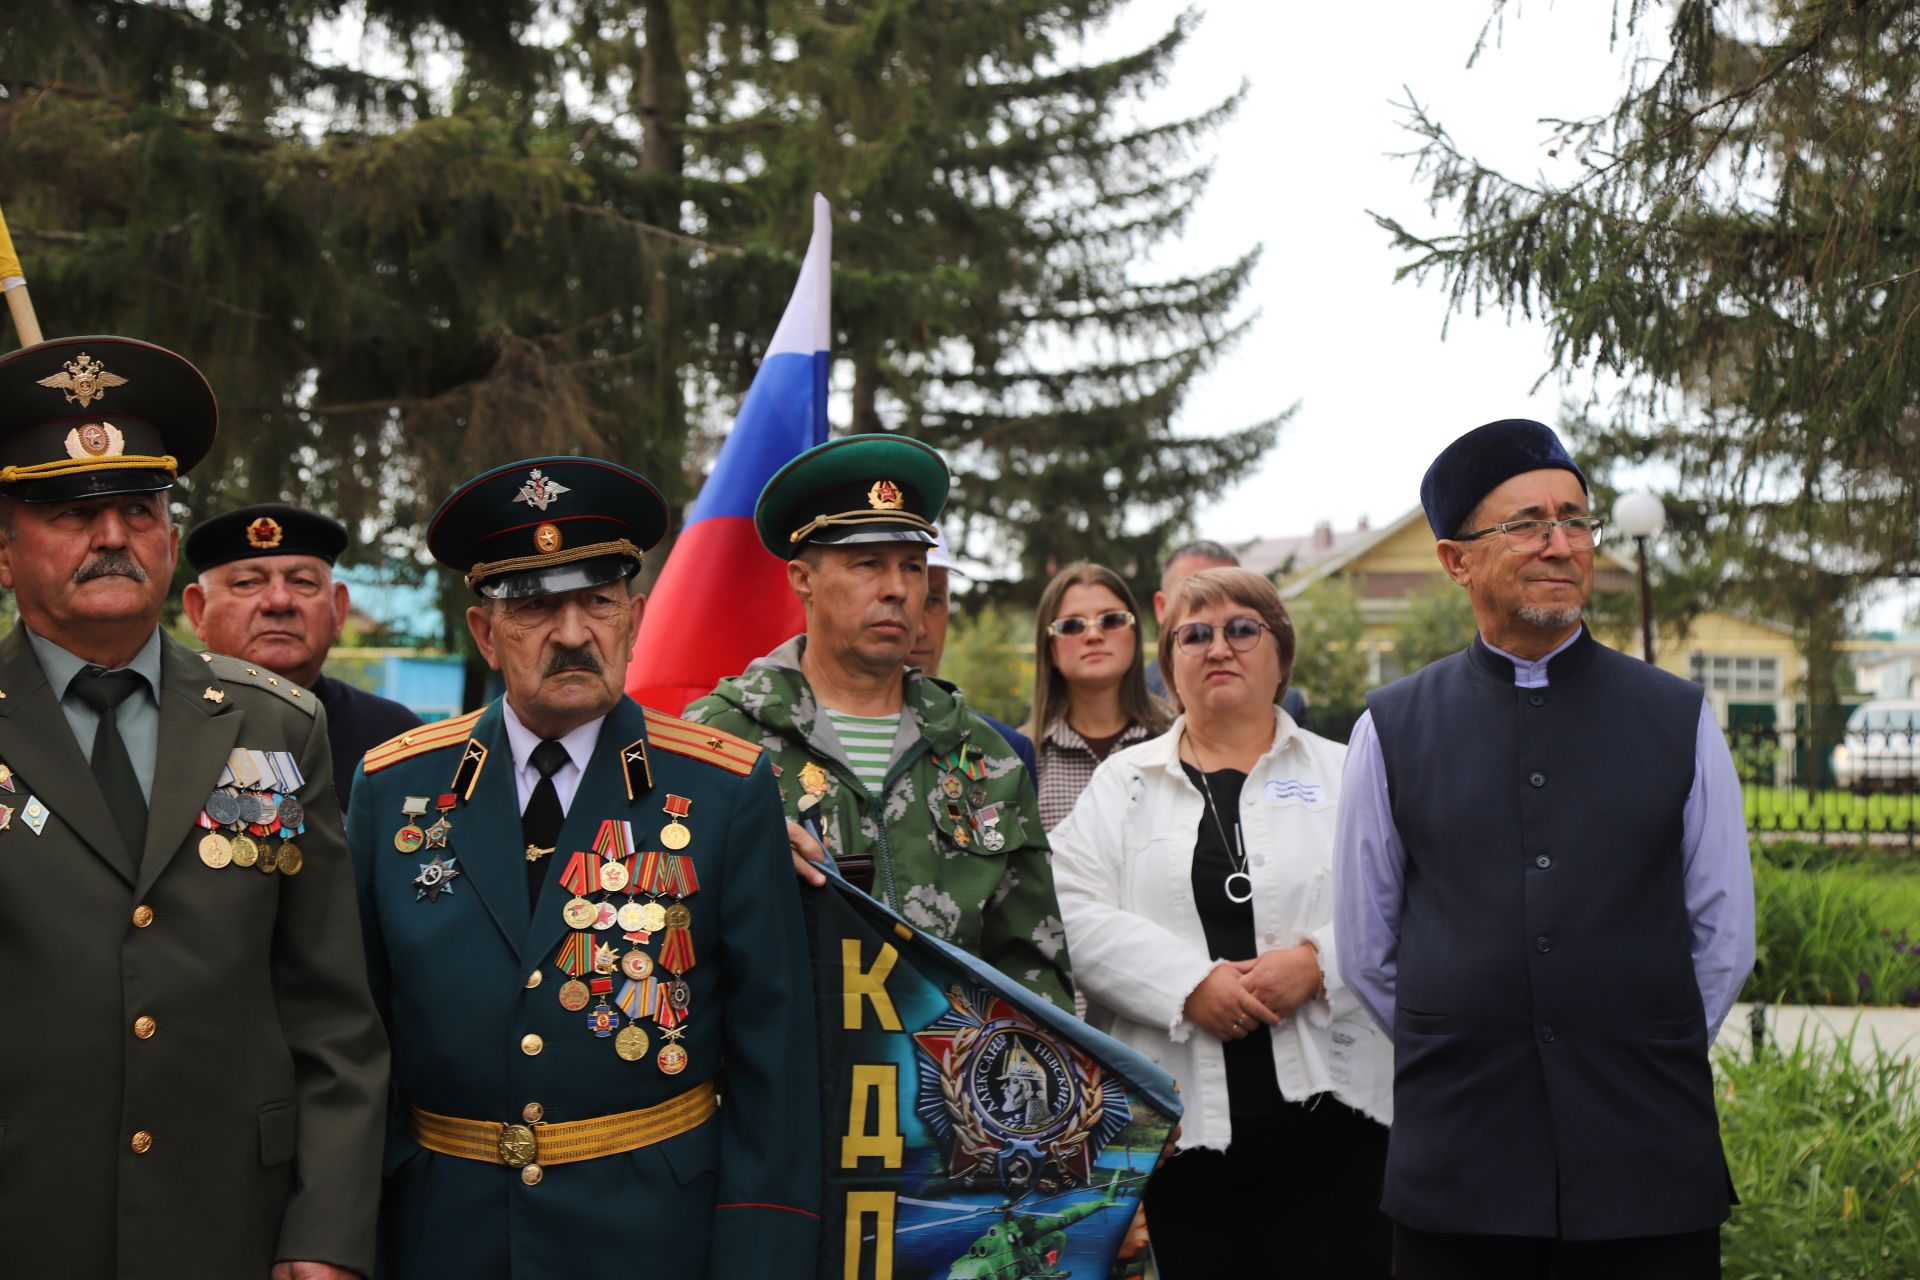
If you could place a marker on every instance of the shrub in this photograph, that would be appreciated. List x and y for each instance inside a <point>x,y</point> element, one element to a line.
<point>1825,1153</point>
<point>1822,937</point>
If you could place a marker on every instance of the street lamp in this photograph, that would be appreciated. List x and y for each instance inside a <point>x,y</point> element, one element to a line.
<point>1640,516</point>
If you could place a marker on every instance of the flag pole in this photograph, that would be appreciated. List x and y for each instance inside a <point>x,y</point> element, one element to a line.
<point>13,281</point>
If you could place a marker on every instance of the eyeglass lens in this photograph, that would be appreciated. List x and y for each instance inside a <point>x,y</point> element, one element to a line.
<point>1111,620</point>
<point>1241,633</point>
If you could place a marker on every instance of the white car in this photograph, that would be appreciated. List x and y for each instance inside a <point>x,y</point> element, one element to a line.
<point>1881,746</point>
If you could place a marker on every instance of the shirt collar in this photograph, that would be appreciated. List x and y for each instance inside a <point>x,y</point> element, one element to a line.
<point>522,740</point>
<point>1532,674</point>
<point>61,667</point>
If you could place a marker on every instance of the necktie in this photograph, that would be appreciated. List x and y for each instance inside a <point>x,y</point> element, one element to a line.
<point>540,824</point>
<point>104,691</point>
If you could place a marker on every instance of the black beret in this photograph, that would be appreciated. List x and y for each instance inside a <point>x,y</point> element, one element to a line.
<point>546,525</point>
<point>91,417</point>
<point>264,529</point>
<point>1481,461</point>
<point>862,488</point>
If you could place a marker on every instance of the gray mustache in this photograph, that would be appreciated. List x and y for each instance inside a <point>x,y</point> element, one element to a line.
<point>580,659</point>
<point>109,564</point>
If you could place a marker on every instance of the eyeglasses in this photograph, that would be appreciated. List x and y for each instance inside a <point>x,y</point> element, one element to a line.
<point>1241,634</point>
<point>1534,535</point>
<point>1111,620</point>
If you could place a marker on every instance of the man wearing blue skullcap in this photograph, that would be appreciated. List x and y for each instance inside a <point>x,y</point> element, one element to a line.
<point>1542,889</point>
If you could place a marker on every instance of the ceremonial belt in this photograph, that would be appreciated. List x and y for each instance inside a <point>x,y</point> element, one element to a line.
<point>518,1145</point>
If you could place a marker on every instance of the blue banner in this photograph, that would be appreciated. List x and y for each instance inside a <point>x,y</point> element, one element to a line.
<point>971,1130</point>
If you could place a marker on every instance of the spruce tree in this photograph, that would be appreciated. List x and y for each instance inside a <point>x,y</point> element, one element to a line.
<point>1741,248</point>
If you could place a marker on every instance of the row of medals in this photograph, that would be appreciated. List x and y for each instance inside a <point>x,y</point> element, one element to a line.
<point>953,785</point>
<point>637,921</point>
<point>256,819</point>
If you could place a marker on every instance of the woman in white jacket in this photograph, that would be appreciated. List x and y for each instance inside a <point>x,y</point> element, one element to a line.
<point>1193,876</point>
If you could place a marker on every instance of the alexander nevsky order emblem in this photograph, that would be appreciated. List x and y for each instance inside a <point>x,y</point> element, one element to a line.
<point>1014,1105</point>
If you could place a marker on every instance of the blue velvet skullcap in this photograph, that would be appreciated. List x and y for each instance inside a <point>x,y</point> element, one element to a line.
<point>1481,461</point>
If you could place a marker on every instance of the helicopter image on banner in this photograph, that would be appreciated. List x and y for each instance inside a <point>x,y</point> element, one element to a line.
<point>1026,1243</point>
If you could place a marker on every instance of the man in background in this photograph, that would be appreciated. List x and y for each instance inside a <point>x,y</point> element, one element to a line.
<point>930,641</point>
<point>266,594</point>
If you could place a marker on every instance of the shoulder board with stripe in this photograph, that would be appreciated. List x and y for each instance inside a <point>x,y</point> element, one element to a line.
<point>234,671</point>
<point>701,742</point>
<point>416,742</point>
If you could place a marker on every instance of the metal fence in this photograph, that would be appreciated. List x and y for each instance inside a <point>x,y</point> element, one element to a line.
<point>1846,775</point>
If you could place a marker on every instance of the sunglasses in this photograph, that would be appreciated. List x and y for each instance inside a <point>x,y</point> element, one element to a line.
<point>1111,620</point>
<point>1241,634</point>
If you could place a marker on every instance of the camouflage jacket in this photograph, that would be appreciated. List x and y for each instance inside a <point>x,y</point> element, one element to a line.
<point>989,891</point>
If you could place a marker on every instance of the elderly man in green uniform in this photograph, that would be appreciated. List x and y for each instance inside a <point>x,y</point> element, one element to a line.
<point>195,1076</point>
<point>916,797</point>
<point>582,929</point>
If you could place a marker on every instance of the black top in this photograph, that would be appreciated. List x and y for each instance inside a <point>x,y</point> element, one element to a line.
<point>1252,1087</point>
<point>357,722</point>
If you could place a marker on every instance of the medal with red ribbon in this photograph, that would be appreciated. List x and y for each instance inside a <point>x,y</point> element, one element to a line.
<point>674,835</point>
<point>580,878</point>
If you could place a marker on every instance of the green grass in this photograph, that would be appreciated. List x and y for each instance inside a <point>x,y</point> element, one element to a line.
<point>1825,1154</point>
<point>1786,809</point>
<point>1834,928</point>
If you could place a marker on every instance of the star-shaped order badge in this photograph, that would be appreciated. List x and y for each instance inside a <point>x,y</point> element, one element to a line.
<point>435,877</point>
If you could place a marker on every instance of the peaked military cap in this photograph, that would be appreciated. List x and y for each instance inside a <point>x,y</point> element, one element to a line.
<point>1481,461</point>
<point>264,529</point>
<point>546,525</point>
<point>864,488</point>
<point>92,417</point>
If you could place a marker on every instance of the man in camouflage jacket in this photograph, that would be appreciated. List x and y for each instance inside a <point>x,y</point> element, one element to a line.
<point>996,903</point>
<point>952,829</point>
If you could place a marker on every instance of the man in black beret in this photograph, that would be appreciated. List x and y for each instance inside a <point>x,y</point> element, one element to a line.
<point>267,595</point>
<point>597,919</point>
<point>195,1076</point>
<point>1542,889</point>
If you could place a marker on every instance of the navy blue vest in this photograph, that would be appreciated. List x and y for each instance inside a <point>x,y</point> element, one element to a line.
<point>1551,1073</point>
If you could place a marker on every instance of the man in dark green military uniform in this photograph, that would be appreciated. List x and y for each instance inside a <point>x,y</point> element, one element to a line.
<point>918,799</point>
<point>195,1077</point>
<point>581,928</point>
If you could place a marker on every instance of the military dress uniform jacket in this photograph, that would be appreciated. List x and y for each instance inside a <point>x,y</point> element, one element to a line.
<point>468,983</point>
<point>991,896</point>
<point>357,721</point>
<point>195,1076</point>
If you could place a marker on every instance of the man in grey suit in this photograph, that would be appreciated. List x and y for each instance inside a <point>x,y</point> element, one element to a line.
<point>195,1081</point>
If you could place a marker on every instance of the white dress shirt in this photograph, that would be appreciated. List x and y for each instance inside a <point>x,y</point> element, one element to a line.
<point>566,779</point>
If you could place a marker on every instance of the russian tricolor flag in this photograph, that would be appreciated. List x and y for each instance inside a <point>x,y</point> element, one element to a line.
<point>722,599</point>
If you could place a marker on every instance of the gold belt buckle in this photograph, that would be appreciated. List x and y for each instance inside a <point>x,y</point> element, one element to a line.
<point>517,1145</point>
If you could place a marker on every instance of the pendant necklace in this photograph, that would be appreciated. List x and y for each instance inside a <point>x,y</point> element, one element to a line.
<point>1237,847</point>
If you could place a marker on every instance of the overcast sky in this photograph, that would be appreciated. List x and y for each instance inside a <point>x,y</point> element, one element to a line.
<point>1310,153</point>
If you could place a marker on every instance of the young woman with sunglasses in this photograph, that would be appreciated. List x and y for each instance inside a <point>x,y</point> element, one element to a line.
<point>1193,878</point>
<point>1089,688</point>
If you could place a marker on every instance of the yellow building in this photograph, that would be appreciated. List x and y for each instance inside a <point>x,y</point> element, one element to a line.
<point>1739,660</point>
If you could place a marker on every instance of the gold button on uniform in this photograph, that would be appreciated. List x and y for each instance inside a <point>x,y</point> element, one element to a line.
<point>142,1142</point>
<point>532,1112</point>
<point>533,979</point>
<point>144,1027</point>
<point>531,1045</point>
<point>142,916</point>
<point>532,1174</point>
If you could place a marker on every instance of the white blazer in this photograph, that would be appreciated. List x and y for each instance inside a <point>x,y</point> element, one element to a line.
<point>1123,869</point>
